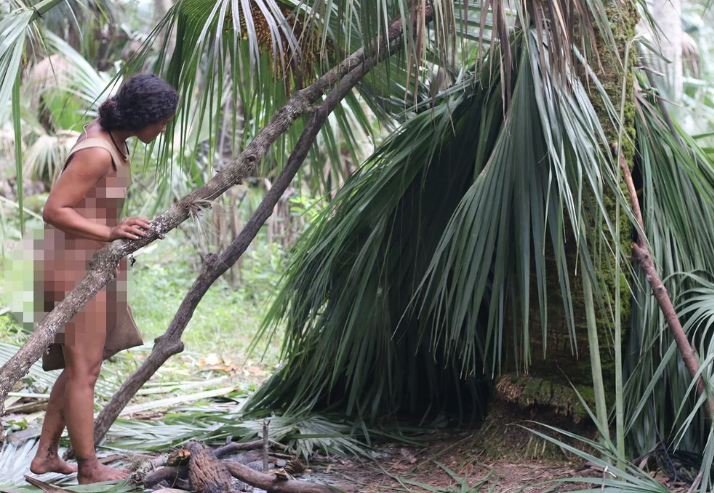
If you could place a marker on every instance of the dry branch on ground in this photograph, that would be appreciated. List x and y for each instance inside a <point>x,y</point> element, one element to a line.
<point>202,470</point>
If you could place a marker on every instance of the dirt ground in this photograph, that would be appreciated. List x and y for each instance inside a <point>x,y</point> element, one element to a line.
<point>460,465</point>
<point>444,468</point>
<point>500,456</point>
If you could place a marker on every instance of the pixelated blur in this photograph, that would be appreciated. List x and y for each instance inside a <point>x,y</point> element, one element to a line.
<point>60,261</point>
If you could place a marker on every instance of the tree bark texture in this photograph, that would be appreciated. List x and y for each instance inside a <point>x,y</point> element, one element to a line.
<point>103,265</point>
<point>206,473</point>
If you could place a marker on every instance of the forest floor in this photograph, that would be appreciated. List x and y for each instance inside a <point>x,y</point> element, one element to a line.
<point>499,456</point>
<point>461,462</point>
<point>196,395</point>
<point>444,468</point>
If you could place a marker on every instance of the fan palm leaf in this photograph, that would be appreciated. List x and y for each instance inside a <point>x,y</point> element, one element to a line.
<point>18,30</point>
<point>48,154</point>
<point>615,478</point>
<point>244,56</point>
<point>85,82</point>
<point>304,436</point>
<point>426,255</point>
<point>343,263</point>
<point>678,194</point>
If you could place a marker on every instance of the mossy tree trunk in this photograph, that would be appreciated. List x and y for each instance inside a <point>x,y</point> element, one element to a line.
<point>544,384</point>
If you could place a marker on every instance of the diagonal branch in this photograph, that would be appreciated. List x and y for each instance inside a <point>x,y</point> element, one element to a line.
<point>102,266</point>
<point>170,343</point>
<point>642,255</point>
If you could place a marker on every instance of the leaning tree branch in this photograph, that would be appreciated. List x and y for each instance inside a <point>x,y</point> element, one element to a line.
<point>103,265</point>
<point>641,253</point>
<point>214,266</point>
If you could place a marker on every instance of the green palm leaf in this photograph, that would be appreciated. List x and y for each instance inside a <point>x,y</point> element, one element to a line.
<point>17,30</point>
<point>349,268</point>
<point>678,191</point>
<point>485,194</point>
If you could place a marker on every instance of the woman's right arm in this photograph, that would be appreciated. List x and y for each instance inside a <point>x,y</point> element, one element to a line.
<point>80,177</point>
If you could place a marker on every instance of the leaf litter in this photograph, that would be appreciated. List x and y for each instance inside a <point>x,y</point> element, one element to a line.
<point>205,405</point>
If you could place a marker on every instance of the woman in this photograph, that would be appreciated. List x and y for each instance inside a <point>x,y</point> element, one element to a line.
<point>81,215</point>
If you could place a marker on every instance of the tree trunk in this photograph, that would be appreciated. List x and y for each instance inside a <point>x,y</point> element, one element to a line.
<point>546,383</point>
<point>206,473</point>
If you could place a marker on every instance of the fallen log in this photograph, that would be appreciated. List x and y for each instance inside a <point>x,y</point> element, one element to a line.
<point>206,472</point>
<point>198,468</point>
<point>170,474</point>
<point>234,447</point>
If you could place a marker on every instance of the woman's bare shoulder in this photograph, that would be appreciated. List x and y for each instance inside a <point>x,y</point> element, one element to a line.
<point>90,161</point>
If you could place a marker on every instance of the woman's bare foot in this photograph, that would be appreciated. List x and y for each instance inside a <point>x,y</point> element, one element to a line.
<point>94,472</point>
<point>51,463</point>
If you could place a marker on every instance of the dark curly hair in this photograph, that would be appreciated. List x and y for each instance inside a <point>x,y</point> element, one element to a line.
<point>142,100</point>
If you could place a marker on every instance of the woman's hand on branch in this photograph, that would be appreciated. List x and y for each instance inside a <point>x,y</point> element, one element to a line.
<point>131,228</point>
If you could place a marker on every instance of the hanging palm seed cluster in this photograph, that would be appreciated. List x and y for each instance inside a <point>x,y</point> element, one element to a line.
<point>280,30</point>
<point>299,63</point>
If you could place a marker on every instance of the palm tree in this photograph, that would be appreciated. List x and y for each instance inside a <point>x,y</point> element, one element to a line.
<point>488,234</point>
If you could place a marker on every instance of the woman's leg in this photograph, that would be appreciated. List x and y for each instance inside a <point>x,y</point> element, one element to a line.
<point>83,351</point>
<point>47,458</point>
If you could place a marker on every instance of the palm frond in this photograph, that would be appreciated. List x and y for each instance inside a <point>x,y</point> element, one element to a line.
<point>242,57</point>
<point>233,64</point>
<point>13,32</point>
<point>17,31</point>
<point>47,155</point>
<point>303,436</point>
<point>678,194</point>
<point>347,262</point>
<point>395,313</point>
<point>82,79</point>
<point>15,463</point>
<point>615,478</point>
<point>547,158</point>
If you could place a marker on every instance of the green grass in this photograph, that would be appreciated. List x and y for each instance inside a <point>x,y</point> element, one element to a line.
<point>227,318</point>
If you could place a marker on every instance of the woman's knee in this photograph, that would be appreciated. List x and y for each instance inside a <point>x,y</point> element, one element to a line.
<point>85,372</point>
